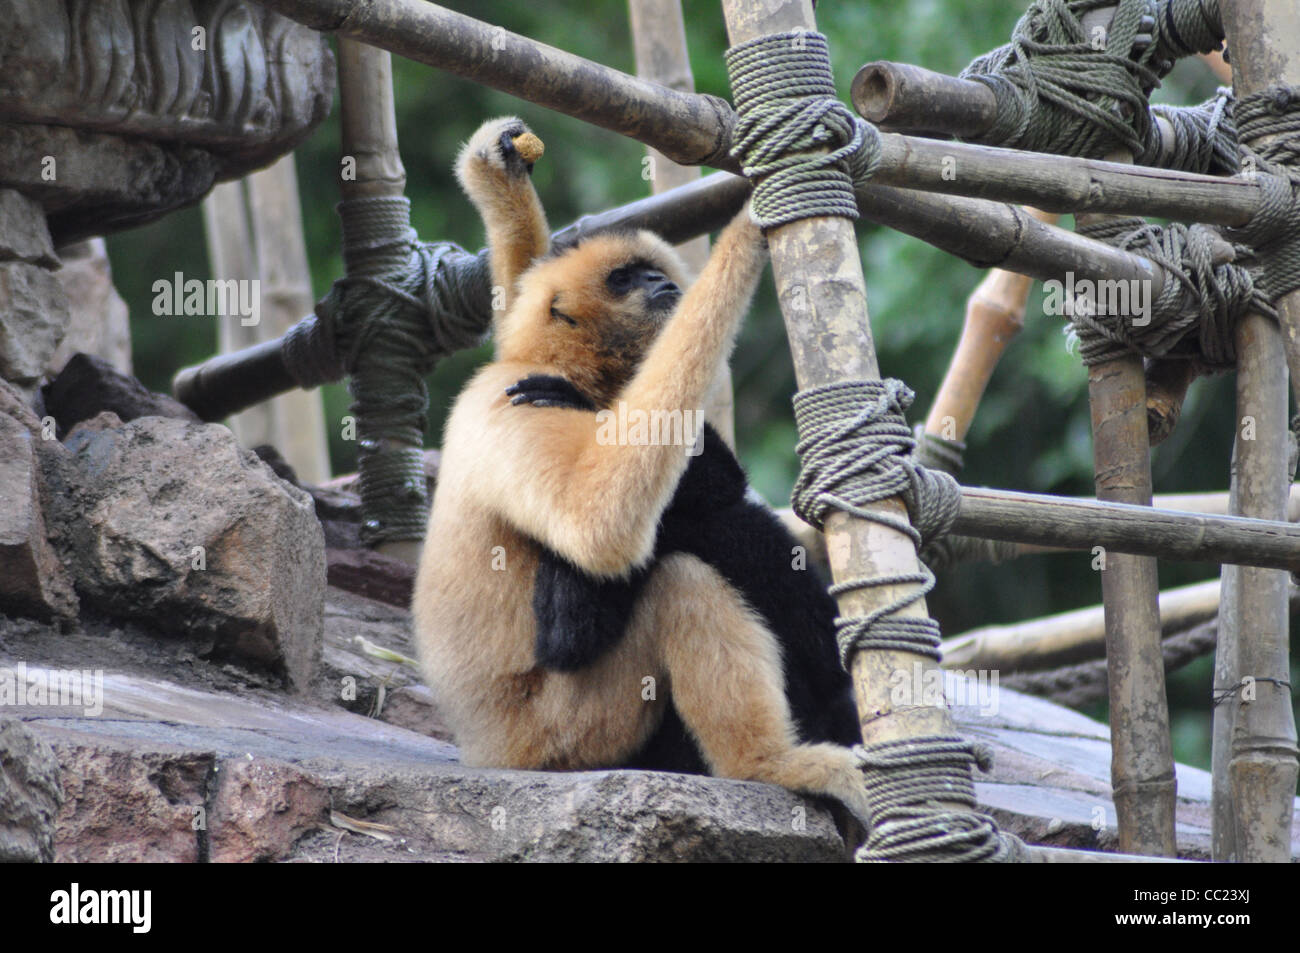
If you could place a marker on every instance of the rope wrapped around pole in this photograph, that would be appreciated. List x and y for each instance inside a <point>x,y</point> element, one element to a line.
<point>403,306</point>
<point>856,446</point>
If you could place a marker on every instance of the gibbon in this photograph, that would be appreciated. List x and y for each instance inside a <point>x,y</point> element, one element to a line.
<point>586,604</point>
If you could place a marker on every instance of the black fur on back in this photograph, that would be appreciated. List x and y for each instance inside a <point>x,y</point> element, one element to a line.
<point>580,617</point>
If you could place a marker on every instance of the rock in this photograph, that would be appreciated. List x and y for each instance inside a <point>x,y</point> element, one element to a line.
<point>127,800</point>
<point>262,808</point>
<point>13,403</point>
<point>98,321</point>
<point>24,235</point>
<point>370,574</point>
<point>33,318</point>
<point>30,795</point>
<point>32,580</point>
<point>171,523</point>
<point>89,384</point>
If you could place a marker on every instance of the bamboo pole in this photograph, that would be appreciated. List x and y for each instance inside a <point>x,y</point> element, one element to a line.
<point>995,313</point>
<point>1143,783</point>
<point>659,42</point>
<point>985,233</point>
<point>819,282</point>
<point>299,418</point>
<point>369,136</point>
<point>1127,528</point>
<point>1068,638</point>
<point>230,254</point>
<point>696,130</point>
<point>1264,36</point>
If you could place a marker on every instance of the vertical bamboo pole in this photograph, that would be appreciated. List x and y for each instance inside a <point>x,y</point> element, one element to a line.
<point>1264,36</point>
<point>659,40</point>
<point>298,418</point>
<point>369,133</point>
<point>995,314</point>
<point>1143,784</point>
<point>819,282</point>
<point>230,255</point>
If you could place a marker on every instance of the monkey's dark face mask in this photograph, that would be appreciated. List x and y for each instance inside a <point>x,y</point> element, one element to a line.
<point>659,292</point>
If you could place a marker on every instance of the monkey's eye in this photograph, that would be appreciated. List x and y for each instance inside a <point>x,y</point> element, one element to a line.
<point>621,280</point>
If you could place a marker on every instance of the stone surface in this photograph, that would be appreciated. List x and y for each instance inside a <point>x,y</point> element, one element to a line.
<point>127,801</point>
<point>261,808</point>
<point>33,318</point>
<point>32,580</point>
<point>171,523</point>
<point>88,385</point>
<point>371,574</point>
<point>30,795</point>
<point>98,322</point>
<point>24,235</point>
<point>14,403</point>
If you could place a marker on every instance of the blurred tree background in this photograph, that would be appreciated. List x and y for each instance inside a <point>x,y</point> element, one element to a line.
<point>1032,432</point>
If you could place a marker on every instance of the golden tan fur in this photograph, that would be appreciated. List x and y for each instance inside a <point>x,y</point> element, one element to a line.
<point>515,476</point>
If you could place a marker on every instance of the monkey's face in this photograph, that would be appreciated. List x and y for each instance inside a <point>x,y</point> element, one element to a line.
<point>593,311</point>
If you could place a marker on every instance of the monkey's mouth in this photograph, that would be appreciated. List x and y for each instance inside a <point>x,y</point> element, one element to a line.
<point>664,298</point>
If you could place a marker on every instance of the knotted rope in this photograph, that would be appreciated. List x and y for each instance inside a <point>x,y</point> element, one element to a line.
<point>856,449</point>
<point>1269,128</point>
<point>909,785</point>
<point>1066,89</point>
<point>856,446</point>
<point>786,114</point>
<point>1198,306</point>
<point>403,306</point>
<point>938,453</point>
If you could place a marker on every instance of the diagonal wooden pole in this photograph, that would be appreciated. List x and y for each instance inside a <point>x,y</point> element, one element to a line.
<point>659,40</point>
<point>1258,771</point>
<point>820,285</point>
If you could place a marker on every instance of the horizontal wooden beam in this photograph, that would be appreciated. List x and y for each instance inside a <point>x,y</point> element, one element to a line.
<point>695,129</point>
<point>1127,528</point>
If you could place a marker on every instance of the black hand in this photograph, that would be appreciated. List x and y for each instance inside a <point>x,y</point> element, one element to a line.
<point>548,390</point>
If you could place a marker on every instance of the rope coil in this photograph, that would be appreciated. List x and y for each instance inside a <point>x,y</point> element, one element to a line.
<point>786,114</point>
<point>909,784</point>
<point>1198,308</point>
<point>403,306</point>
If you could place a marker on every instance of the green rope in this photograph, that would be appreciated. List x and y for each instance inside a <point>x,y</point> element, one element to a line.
<point>910,782</point>
<point>856,449</point>
<point>403,306</point>
<point>1269,128</point>
<point>1205,137</point>
<point>1057,92</point>
<point>1185,28</point>
<point>1198,307</point>
<point>786,114</point>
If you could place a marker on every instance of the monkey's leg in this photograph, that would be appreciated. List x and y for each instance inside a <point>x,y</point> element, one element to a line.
<point>724,668</point>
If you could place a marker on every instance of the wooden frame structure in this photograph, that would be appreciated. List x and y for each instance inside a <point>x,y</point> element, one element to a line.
<point>822,293</point>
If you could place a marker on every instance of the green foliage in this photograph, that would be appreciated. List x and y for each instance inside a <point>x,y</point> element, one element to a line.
<point>1032,432</point>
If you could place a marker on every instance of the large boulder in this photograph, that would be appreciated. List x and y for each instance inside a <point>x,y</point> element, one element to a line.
<point>171,523</point>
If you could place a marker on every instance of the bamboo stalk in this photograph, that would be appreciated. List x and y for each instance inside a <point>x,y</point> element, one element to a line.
<point>1264,36</point>
<point>659,41</point>
<point>696,130</point>
<point>1126,528</point>
<point>369,135</point>
<point>819,281</point>
<point>298,417</point>
<point>1068,638</point>
<point>995,313</point>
